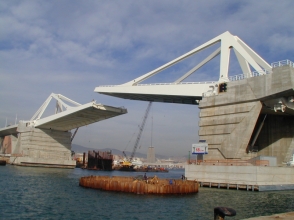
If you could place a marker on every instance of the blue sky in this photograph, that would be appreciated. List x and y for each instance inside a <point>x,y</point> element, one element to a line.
<point>70,47</point>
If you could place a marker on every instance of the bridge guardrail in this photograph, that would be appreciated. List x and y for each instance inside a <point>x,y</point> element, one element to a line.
<point>252,74</point>
<point>282,63</point>
<point>262,72</point>
<point>231,78</point>
<point>156,84</point>
<point>181,83</point>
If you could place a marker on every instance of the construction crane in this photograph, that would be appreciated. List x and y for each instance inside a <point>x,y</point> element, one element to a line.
<point>140,133</point>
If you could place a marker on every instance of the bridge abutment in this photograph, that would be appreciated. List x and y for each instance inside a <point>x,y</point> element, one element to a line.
<point>42,147</point>
<point>253,116</point>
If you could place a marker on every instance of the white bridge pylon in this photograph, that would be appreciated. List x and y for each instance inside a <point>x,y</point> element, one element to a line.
<point>192,92</point>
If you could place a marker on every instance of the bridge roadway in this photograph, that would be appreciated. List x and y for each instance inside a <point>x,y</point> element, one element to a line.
<point>182,93</point>
<point>74,117</point>
<point>47,141</point>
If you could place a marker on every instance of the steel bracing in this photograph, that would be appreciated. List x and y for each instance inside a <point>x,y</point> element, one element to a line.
<point>68,115</point>
<point>191,92</point>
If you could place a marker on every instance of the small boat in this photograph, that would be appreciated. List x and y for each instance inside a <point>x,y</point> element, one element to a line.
<point>2,162</point>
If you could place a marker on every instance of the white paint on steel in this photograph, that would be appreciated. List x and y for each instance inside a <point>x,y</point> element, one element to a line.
<point>246,57</point>
<point>207,59</point>
<point>71,117</point>
<point>68,117</point>
<point>60,104</point>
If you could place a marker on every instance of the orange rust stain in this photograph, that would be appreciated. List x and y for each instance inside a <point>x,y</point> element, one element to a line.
<point>132,185</point>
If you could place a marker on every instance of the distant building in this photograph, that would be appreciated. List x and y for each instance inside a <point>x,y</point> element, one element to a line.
<point>151,155</point>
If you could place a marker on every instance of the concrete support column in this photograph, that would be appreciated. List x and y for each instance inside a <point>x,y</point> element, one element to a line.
<point>43,147</point>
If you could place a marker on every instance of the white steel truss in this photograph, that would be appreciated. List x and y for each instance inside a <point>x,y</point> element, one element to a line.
<point>245,55</point>
<point>190,93</point>
<point>73,116</point>
<point>66,117</point>
<point>60,105</point>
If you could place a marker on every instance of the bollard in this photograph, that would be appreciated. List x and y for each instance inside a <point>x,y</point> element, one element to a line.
<point>221,212</point>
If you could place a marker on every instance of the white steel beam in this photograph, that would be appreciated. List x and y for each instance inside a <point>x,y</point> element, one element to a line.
<point>225,58</point>
<point>169,64</point>
<point>207,59</point>
<point>78,116</point>
<point>41,110</point>
<point>246,57</point>
<point>254,55</point>
<point>243,64</point>
<point>61,97</point>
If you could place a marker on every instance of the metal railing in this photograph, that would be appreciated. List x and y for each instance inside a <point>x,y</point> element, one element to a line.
<point>231,78</point>
<point>229,162</point>
<point>156,84</point>
<point>283,63</point>
<point>249,75</point>
<point>181,83</point>
<point>261,72</point>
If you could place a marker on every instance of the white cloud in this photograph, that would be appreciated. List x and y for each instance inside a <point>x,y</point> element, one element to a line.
<point>69,47</point>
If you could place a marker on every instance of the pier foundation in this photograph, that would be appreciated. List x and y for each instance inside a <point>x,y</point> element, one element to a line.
<point>42,147</point>
<point>254,117</point>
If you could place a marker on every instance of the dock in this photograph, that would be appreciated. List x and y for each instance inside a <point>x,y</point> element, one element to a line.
<point>250,178</point>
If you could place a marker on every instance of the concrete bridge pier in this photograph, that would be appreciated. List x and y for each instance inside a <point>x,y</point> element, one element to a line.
<point>254,117</point>
<point>42,147</point>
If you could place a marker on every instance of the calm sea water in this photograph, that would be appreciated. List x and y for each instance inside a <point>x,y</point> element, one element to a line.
<point>49,193</point>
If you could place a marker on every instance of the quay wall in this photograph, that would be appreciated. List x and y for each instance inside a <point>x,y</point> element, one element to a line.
<point>243,175</point>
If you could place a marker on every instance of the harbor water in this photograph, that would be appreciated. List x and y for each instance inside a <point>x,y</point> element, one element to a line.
<point>49,193</point>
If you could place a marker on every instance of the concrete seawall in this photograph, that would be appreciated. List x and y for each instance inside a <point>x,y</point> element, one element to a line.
<point>255,178</point>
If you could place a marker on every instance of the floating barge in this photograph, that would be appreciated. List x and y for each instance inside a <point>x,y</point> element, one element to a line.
<point>99,160</point>
<point>138,185</point>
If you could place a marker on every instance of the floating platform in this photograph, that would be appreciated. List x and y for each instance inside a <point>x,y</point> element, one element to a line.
<point>99,160</point>
<point>138,185</point>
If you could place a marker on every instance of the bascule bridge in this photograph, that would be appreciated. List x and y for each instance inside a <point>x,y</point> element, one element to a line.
<point>46,140</point>
<point>240,115</point>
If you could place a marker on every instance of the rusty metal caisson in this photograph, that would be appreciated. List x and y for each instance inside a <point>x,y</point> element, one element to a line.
<point>139,185</point>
